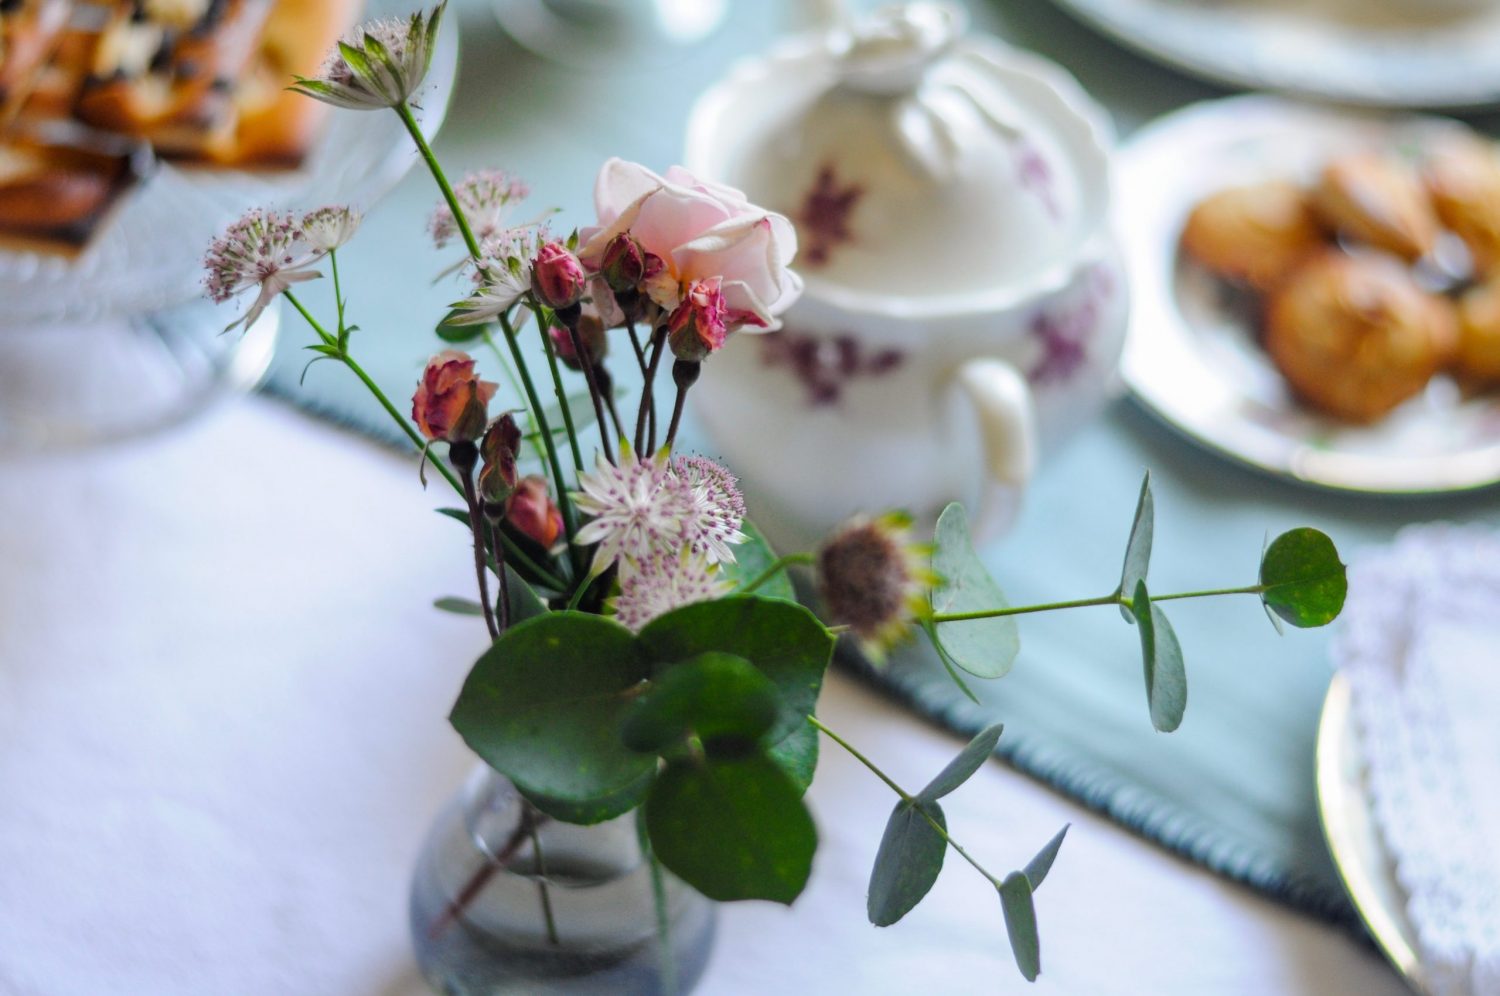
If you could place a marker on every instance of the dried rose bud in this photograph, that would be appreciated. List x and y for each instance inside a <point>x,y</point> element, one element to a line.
<point>623,264</point>
<point>590,336</point>
<point>557,278</point>
<point>872,577</point>
<point>532,512</point>
<point>700,323</point>
<point>451,403</point>
<point>499,450</point>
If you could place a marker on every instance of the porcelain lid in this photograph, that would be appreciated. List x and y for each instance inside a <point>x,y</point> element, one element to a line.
<point>916,162</point>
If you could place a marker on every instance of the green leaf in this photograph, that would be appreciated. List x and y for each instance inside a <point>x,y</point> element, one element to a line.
<point>1138,548</point>
<point>1020,924</point>
<point>785,641</point>
<point>543,707</point>
<point>713,696</point>
<point>985,648</point>
<point>1161,656</point>
<point>524,603</point>
<point>1038,867</point>
<point>797,754</point>
<point>753,558</point>
<point>908,862</point>
<point>458,606</point>
<point>450,330</point>
<point>1302,578</point>
<point>732,828</point>
<point>628,798</point>
<point>962,767</point>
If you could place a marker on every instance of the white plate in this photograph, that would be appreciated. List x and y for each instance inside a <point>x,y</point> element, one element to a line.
<point>1344,809</point>
<point>1394,53</point>
<point>1190,357</point>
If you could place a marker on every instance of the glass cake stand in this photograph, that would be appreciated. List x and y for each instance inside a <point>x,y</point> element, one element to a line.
<point>120,341</point>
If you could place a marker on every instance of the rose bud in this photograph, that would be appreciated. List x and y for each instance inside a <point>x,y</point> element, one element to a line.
<point>533,513</point>
<point>590,335</point>
<point>699,324</point>
<point>557,278</point>
<point>623,264</point>
<point>451,403</point>
<point>499,450</point>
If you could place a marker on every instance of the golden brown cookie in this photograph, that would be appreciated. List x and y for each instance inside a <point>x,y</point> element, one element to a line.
<point>1379,200</point>
<point>1355,335</point>
<point>56,195</point>
<point>1254,234</point>
<point>1478,360</point>
<point>1463,179</point>
<point>29,31</point>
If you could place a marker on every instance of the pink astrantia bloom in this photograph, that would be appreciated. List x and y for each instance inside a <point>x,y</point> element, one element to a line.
<point>377,65</point>
<point>485,197</point>
<point>718,505</point>
<point>663,582</point>
<point>700,324</point>
<point>329,228</point>
<point>637,508</point>
<point>698,230</point>
<point>263,249</point>
<point>501,276</point>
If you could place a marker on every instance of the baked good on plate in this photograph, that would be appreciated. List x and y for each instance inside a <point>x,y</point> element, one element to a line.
<point>1379,200</point>
<point>1255,234</point>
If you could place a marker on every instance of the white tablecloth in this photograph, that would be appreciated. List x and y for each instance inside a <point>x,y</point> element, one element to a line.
<point>222,736</point>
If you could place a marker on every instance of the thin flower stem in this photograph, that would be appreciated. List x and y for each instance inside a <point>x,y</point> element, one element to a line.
<point>338,297</point>
<point>648,401</point>
<point>1254,589</point>
<point>640,352</point>
<point>562,394</point>
<point>436,169</point>
<point>614,413</point>
<point>594,392</point>
<point>476,525</point>
<point>515,386</point>
<point>906,797</point>
<point>781,564</point>
<point>1021,610</point>
<point>668,964</point>
<point>500,572</point>
<point>529,816</point>
<point>677,406</point>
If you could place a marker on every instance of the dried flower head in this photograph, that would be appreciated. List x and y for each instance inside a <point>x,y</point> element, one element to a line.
<point>533,513</point>
<point>499,451</point>
<point>264,249</point>
<point>663,582</point>
<point>485,197</point>
<point>875,579</point>
<point>699,325</point>
<point>451,402</point>
<point>329,228</point>
<point>379,64</point>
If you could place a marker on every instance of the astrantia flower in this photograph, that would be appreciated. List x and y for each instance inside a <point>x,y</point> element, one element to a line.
<point>501,276</point>
<point>718,506</point>
<point>329,228</point>
<point>379,64</point>
<point>873,578</point>
<point>690,230</point>
<point>638,508</point>
<point>263,249</point>
<point>663,582</point>
<point>485,197</point>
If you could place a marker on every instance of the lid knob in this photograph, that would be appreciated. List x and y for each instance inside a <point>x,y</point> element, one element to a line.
<point>888,52</point>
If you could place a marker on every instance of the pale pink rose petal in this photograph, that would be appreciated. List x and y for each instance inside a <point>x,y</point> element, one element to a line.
<point>619,185</point>
<point>742,249</point>
<point>746,308</point>
<point>672,216</point>
<point>731,197</point>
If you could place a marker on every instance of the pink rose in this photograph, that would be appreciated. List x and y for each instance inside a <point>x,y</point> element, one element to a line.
<point>699,325</point>
<point>451,402</point>
<point>557,278</point>
<point>699,230</point>
<point>533,513</point>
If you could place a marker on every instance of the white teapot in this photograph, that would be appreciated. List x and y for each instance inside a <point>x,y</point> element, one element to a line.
<point>965,303</point>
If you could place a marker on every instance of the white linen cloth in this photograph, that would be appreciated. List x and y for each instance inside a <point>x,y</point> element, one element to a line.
<point>1421,646</point>
<point>223,694</point>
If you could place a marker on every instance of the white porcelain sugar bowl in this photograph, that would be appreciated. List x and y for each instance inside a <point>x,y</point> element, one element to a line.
<point>965,304</point>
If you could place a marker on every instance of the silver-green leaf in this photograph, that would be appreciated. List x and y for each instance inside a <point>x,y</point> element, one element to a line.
<point>985,648</point>
<point>1020,924</point>
<point>1161,656</point>
<point>1138,548</point>
<point>962,767</point>
<point>908,862</point>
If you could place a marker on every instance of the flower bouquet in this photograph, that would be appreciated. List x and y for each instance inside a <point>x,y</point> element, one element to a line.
<point>648,653</point>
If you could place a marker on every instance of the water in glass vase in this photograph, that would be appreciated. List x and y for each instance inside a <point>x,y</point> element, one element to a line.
<point>493,913</point>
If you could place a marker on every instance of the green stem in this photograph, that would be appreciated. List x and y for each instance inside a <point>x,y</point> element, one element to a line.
<point>906,797</point>
<point>338,297</point>
<point>781,564</point>
<point>1021,610</point>
<point>1254,589</point>
<point>557,386</point>
<point>440,177</point>
<point>543,888</point>
<point>663,912</point>
<point>515,387</point>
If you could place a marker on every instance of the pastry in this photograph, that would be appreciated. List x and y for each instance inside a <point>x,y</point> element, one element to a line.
<point>1463,179</point>
<point>1379,200</point>
<point>1478,359</point>
<point>166,70</point>
<point>1254,234</point>
<point>29,30</point>
<point>55,194</point>
<point>1355,336</point>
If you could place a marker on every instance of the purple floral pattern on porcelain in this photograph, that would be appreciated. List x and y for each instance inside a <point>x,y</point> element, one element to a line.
<point>826,365</point>
<point>1064,331</point>
<point>1034,173</point>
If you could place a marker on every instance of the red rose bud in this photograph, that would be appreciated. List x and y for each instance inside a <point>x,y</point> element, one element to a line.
<point>623,264</point>
<point>451,403</point>
<point>699,325</point>
<point>590,336</point>
<point>531,511</point>
<point>557,277</point>
<point>499,449</point>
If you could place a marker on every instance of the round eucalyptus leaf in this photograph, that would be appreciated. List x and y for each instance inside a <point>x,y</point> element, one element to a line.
<point>1302,579</point>
<point>712,696</point>
<point>962,767</point>
<point>1020,924</point>
<point>908,862</point>
<point>985,648</point>
<point>1161,657</point>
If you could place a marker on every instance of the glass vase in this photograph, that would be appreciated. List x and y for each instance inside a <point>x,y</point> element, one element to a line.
<point>492,913</point>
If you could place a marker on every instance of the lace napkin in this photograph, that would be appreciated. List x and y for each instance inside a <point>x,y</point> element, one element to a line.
<point>1420,643</point>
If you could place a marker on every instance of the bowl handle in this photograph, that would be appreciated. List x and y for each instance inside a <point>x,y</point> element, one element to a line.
<point>1007,423</point>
